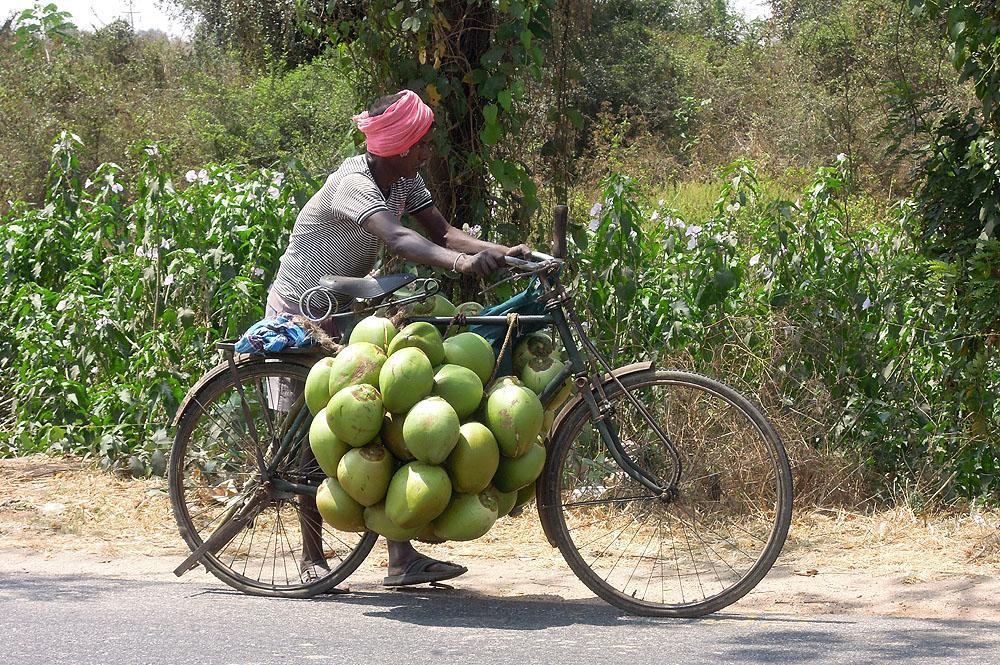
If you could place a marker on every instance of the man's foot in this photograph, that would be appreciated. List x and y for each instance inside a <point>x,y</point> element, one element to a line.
<point>422,570</point>
<point>313,571</point>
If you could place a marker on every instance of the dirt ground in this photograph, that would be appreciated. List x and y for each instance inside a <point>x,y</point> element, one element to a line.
<point>63,516</point>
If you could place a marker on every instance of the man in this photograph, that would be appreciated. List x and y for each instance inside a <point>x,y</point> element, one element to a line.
<point>342,229</point>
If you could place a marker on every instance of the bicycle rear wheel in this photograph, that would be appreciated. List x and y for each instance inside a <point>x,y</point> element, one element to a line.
<point>214,471</point>
<point>690,555</point>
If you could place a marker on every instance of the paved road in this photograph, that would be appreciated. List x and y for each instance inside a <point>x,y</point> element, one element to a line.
<point>53,619</point>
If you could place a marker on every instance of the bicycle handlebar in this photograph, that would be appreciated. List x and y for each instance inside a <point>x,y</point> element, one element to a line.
<point>539,259</point>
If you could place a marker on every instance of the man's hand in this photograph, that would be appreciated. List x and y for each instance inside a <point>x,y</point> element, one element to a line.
<point>520,252</point>
<point>483,263</point>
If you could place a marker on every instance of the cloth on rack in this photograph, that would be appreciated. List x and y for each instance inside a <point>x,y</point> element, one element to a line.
<point>273,334</point>
<point>525,302</point>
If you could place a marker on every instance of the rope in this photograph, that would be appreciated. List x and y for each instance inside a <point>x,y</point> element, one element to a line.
<point>511,325</point>
<point>457,320</point>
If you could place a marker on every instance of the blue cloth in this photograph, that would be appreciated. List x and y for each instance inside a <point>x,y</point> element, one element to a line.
<point>525,302</point>
<point>273,334</point>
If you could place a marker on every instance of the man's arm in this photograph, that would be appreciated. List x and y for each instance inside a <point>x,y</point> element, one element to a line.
<point>414,247</point>
<point>446,235</point>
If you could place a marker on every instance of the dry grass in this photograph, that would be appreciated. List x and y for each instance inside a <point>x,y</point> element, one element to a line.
<point>51,504</point>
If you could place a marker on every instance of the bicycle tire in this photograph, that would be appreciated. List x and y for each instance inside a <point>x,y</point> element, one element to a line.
<point>187,477</point>
<point>707,492</point>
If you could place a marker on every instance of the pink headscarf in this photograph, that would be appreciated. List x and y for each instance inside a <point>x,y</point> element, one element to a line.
<point>397,129</point>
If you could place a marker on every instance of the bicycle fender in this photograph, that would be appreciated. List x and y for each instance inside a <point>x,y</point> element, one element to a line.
<point>617,373</point>
<point>241,361</point>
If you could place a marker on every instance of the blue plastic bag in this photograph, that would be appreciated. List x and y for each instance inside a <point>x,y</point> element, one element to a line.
<point>272,335</point>
<point>525,302</point>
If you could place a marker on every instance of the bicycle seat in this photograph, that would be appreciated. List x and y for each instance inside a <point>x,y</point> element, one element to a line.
<point>366,288</point>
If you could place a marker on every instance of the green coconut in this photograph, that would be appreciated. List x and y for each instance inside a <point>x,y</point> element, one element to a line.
<point>356,363</point>
<point>460,387</point>
<point>525,494</point>
<point>326,447</point>
<point>317,391</point>
<point>505,500</point>
<point>364,473</point>
<point>539,372</point>
<point>376,520</point>
<point>474,459</point>
<point>427,535</point>
<point>406,378</point>
<point>472,351</point>
<point>534,345</point>
<point>467,517</point>
<point>355,414</point>
<point>417,494</point>
<point>392,436</point>
<point>337,508</point>
<point>374,330</point>
<point>431,430</point>
<point>469,308</point>
<point>515,416</point>
<point>443,306</point>
<point>420,335</point>
<point>513,474</point>
<point>502,382</point>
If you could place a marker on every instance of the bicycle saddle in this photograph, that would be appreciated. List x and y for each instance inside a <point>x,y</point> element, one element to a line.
<point>365,288</point>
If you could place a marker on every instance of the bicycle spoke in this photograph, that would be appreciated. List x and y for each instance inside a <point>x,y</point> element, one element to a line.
<point>712,534</point>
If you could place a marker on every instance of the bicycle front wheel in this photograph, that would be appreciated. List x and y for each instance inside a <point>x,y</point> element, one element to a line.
<point>697,552</point>
<point>231,425</point>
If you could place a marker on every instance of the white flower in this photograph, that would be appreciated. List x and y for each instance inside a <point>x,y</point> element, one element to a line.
<point>594,224</point>
<point>596,209</point>
<point>203,177</point>
<point>755,259</point>
<point>191,176</point>
<point>273,192</point>
<point>866,304</point>
<point>693,242</point>
<point>258,272</point>
<point>655,216</point>
<point>693,231</point>
<point>279,178</point>
<point>660,203</point>
<point>116,188</point>
<point>474,231</point>
<point>190,209</point>
<point>63,304</point>
<point>165,244</point>
<point>841,157</point>
<point>87,184</point>
<point>168,280</point>
<point>102,322</point>
<point>733,207</point>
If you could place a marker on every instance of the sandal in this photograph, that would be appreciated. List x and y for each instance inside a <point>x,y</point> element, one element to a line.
<point>417,573</point>
<point>316,570</point>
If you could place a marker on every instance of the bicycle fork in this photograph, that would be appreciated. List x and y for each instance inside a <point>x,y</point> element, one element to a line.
<point>592,391</point>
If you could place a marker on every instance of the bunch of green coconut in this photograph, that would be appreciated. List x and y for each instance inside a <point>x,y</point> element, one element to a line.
<point>413,445</point>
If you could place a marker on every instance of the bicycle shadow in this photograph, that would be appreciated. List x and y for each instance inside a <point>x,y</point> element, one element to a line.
<point>464,608</point>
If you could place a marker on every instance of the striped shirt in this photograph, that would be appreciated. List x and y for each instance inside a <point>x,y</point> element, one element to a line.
<point>328,239</point>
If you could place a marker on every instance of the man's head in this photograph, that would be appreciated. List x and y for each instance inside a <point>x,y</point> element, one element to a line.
<point>397,130</point>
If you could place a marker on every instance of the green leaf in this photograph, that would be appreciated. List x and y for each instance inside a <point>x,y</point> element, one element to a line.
<point>504,97</point>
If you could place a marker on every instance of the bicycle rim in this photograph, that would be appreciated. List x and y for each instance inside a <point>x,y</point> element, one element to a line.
<point>688,556</point>
<point>214,470</point>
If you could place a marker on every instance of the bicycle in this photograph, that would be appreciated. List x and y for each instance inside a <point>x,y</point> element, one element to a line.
<point>667,493</point>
